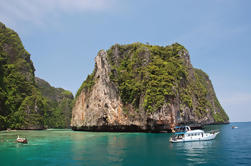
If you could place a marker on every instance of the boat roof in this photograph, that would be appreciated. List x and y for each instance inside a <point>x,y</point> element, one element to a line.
<point>189,132</point>
<point>195,131</point>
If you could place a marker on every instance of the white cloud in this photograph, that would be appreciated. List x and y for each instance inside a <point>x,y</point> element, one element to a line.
<point>39,11</point>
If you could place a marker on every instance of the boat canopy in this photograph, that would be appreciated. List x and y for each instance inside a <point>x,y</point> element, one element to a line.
<point>182,128</point>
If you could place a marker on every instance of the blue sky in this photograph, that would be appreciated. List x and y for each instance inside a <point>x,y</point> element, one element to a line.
<point>64,36</point>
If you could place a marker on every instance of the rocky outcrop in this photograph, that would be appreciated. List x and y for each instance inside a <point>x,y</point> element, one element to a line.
<point>101,106</point>
<point>141,87</point>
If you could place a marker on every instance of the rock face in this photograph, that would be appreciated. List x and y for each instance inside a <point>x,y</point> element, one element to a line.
<point>140,87</point>
<point>100,107</point>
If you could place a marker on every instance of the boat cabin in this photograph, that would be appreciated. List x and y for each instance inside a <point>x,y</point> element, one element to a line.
<point>195,133</point>
<point>191,134</point>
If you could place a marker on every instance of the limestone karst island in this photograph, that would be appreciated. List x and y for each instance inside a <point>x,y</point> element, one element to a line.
<point>133,87</point>
<point>139,87</point>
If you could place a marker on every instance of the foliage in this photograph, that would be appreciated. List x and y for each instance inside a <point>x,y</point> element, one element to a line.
<point>2,122</point>
<point>149,77</point>
<point>59,105</point>
<point>161,75</point>
<point>22,106</point>
<point>17,76</point>
<point>66,93</point>
<point>154,72</point>
<point>30,113</point>
<point>220,116</point>
<point>60,116</point>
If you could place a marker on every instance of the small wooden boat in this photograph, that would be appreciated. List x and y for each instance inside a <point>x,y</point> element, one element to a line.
<point>234,127</point>
<point>22,140</point>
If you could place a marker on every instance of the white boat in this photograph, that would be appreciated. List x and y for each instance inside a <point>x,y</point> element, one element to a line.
<point>185,134</point>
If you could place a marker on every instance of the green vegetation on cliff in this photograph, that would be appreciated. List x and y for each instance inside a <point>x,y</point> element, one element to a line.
<point>151,77</point>
<point>17,88</point>
<point>59,104</point>
<point>150,71</point>
<point>22,106</point>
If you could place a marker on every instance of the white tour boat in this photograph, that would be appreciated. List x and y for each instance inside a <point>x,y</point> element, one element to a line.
<point>185,134</point>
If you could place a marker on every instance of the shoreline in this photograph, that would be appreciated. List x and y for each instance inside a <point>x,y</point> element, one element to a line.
<point>137,129</point>
<point>121,128</point>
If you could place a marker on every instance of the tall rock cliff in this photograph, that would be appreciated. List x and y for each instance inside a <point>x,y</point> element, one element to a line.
<point>23,104</point>
<point>140,87</point>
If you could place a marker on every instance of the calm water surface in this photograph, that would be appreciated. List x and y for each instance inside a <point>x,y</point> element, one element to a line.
<point>66,147</point>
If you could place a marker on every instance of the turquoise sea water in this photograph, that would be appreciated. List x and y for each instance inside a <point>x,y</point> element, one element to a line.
<point>66,147</point>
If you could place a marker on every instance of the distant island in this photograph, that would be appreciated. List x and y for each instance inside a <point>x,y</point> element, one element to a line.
<point>142,87</point>
<point>134,87</point>
<point>27,102</point>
